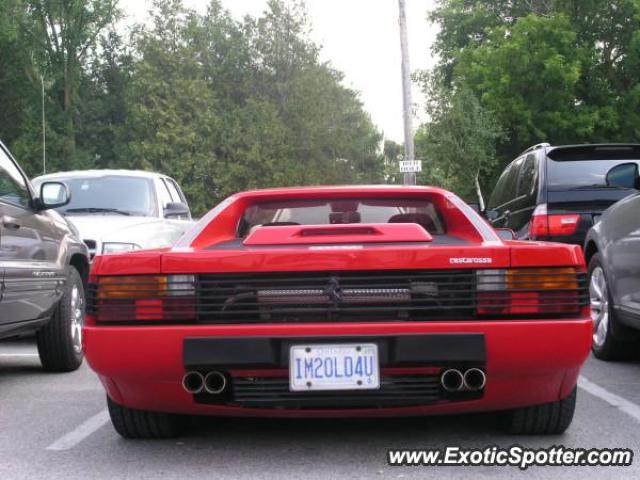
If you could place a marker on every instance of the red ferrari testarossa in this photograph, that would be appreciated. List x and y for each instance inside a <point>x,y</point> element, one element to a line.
<point>340,301</point>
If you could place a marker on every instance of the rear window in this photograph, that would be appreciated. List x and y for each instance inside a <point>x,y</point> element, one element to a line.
<point>586,166</point>
<point>342,211</point>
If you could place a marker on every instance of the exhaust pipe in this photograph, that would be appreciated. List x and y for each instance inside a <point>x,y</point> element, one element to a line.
<point>193,382</point>
<point>474,379</point>
<point>452,380</point>
<point>215,382</point>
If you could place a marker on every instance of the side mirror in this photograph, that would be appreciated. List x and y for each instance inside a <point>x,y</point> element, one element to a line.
<point>506,233</point>
<point>176,209</point>
<point>624,175</point>
<point>53,195</point>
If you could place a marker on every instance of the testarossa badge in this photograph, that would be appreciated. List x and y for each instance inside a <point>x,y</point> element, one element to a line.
<point>473,260</point>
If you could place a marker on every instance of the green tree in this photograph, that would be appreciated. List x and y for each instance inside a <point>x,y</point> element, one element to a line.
<point>330,139</point>
<point>20,126</point>
<point>220,104</point>
<point>458,145</point>
<point>609,35</point>
<point>392,153</point>
<point>562,71</point>
<point>171,119</point>
<point>528,78</point>
<point>225,105</point>
<point>65,31</point>
<point>600,39</point>
<point>10,58</point>
<point>102,112</point>
<point>466,24</point>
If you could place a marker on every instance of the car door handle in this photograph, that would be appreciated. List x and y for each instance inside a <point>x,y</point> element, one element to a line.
<point>10,223</point>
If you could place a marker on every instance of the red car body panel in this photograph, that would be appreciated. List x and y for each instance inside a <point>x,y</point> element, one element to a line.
<point>529,361</point>
<point>373,258</point>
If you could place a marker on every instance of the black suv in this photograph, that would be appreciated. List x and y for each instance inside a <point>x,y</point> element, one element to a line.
<point>43,268</point>
<point>558,193</point>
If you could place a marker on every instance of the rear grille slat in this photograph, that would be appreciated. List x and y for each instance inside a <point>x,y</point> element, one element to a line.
<point>328,296</point>
<point>264,392</point>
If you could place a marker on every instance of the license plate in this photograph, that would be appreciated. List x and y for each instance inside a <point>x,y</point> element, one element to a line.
<point>334,367</point>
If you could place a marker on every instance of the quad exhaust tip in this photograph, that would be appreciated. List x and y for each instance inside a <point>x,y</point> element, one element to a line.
<point>215,382</point>
<point>212,383</point>
<point>453,380</point>
<point>193,382</point>
<point>474,379</point>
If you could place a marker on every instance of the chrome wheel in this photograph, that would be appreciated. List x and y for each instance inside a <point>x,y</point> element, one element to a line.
<point>77,318</point>
<point>599,297</point>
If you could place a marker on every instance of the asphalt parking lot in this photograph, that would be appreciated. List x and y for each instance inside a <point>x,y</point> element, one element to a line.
<point>56,426</point>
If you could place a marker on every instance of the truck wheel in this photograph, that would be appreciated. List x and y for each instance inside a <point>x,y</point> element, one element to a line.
<point>131,423</point>
<point>548,419</point>
<point>606,343</point>
<point>60,340</point>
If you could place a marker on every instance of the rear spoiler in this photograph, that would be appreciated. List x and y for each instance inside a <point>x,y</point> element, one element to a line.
<point>337,234</point>
<point>595,152</point>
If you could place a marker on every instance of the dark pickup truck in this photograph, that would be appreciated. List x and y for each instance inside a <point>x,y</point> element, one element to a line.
<point>43,268</point>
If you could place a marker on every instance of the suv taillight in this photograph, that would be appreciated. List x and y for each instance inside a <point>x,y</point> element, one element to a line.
<point>544,225</point>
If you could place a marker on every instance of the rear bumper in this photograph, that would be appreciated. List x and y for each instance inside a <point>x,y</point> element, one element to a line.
<point>526,362</point>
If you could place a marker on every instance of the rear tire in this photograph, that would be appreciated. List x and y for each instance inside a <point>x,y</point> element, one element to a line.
<point>130,423</point>
<point>548,419</point>
<point>606,344</point>
<point>60,340</point>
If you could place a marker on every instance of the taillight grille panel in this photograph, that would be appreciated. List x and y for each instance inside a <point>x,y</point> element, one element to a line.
<point>282,297</point>
<point>344,296</point>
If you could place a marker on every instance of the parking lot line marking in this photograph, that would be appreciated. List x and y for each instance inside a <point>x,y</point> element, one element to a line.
<point>612,399</point>
<point>74,437</point>
<point>18,354</point>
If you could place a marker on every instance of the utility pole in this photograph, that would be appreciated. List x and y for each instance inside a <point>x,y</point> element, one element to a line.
<point>409,154</point>
<point>44,131</point>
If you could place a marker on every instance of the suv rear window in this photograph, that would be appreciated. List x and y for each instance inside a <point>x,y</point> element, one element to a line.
<point>575,167</point>
<point>342,211</point>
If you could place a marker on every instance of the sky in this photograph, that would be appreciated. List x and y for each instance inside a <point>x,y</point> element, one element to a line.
<point>360,38</point>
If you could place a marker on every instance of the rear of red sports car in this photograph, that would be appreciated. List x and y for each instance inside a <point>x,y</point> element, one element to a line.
<point>344,301</point>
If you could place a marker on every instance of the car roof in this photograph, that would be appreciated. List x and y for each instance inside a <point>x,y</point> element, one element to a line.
<point>98,173</point>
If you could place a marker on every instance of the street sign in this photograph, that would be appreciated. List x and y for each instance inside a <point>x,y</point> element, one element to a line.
<point>410,166</point>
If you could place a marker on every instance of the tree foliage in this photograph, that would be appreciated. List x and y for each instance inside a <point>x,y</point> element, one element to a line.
<point>558,71</point>
<point>220,104</point>
<point>527,77</point>
<point>63,33</point>
<point>459,142</point>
